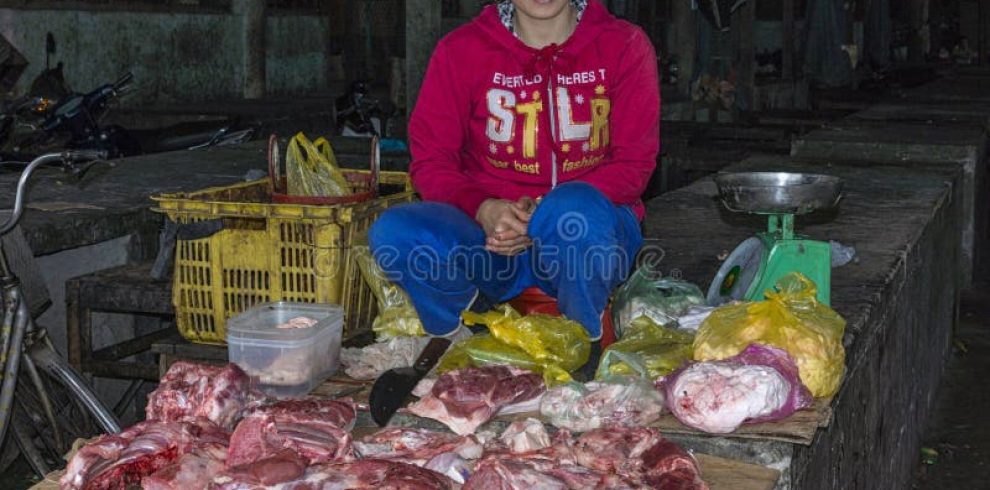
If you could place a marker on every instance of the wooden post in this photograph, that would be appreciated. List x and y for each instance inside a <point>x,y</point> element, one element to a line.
<point>787,64</point>
<point>918,12</point>
<point>422,34</point>
<point>685,42</point>
<point>744,20</point>
<point>253,25</point>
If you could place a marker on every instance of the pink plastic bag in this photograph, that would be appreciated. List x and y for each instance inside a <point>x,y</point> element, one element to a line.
<point>760,384</point>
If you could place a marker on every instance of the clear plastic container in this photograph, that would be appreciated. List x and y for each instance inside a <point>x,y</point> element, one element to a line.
<point>286,362</point>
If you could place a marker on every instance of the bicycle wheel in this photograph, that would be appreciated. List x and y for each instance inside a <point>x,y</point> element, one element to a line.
<point>53,407</point>
<point>43,444</point>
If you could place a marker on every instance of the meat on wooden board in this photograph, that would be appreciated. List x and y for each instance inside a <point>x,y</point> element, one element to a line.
<point>463,399</point>
<point>318,430</point>
<point>617,458</point>
<point>115,461</point>
<point>415,446</point>
<point>218,393</point>
<point>356,475</point>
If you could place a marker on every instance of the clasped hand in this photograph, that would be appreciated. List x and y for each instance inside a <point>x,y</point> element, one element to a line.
<point>505,223</point>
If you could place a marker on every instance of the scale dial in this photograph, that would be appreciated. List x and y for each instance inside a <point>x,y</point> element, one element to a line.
<point>737,273</point>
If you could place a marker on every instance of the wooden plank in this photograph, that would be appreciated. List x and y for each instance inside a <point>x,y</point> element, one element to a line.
<point>718,473</point>
<point>728,474</point>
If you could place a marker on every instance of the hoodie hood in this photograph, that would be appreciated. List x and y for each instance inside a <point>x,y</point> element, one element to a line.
<point>554,57</point>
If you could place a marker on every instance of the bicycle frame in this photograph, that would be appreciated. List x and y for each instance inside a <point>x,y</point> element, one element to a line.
<point>18,329</point>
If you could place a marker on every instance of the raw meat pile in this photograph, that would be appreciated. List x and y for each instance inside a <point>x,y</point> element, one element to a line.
<point>185,445</point>
<point>361,474</point>
<point>464,399</point>
<point>759,384</point>
<point>317,430</point>
<point>158,449</point>
<point>217,393</point>
<point>631,458</point>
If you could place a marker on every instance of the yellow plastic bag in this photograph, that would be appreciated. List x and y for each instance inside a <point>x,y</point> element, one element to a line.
<point>396,315</point>
<point>546,344</point>
<point>647,350</point>
<point>311,169</point>
<point>790,318</point>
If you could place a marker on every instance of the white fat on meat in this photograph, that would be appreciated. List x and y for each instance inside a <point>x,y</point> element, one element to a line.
<point>189,390</point>
<point>719,397</point>
<point>416,446</point>
<point>523,436</point>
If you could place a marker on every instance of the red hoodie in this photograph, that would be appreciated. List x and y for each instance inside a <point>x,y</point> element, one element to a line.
<point>498,119</point>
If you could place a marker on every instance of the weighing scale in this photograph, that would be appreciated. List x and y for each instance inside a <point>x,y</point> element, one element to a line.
<point>758,262</point>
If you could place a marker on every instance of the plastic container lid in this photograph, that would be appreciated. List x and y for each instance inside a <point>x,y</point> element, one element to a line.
<point>258,322</point>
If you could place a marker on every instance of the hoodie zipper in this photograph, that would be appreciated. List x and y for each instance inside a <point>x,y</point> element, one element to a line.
<point>553,128</point>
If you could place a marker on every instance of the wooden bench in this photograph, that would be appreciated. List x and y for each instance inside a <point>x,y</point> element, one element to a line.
<point>125,289</point>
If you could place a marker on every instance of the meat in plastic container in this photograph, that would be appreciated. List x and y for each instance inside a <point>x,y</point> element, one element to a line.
<point>273,344</point>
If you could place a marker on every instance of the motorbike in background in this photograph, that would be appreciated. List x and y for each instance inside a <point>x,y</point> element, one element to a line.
<point>359,113</point>
<point>75,122</point>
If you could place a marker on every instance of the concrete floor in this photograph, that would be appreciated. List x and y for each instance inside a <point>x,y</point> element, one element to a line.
<point>958,431</point>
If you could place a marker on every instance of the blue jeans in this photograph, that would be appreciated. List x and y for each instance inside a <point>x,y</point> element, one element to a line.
<point>583,247</point>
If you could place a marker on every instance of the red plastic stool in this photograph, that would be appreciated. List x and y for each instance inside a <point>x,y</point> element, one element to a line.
<point>534,300</point>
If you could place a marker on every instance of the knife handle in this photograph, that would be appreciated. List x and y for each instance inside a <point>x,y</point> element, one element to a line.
<point>432,353</point>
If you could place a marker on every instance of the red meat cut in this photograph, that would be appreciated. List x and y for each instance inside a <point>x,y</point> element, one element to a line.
<point>415,446</point>
<point>112,462</point>
<point>318,430</point>
<point>218,393</point>
<point>357,475</point>
<point>464,399</point>
<point>615,458</point>
<point>193,470</point>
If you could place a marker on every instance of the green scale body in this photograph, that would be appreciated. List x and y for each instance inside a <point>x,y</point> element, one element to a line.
<point>759,262</point>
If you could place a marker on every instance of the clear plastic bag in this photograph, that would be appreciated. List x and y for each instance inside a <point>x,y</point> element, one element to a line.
<point>619,401</point>
<point>396,315</point>
<point>761,384</point>
<point>647,350</point>
<point>551,345</point>
<point>648,294</point>
<point>311,169</point>
<point>790,318</point>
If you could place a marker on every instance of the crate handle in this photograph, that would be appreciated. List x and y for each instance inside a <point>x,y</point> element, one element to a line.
<point>274,165</point>
<point>375,164</point>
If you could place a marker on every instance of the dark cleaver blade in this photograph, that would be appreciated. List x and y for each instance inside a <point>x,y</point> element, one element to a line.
<point>395,385</point>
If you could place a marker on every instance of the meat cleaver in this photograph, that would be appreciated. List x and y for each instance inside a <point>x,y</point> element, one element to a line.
<point>393,387</point>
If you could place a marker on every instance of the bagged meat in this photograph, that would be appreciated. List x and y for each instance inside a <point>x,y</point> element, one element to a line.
<point>621,401</point>
<point>371,361</point>
<point>760,384</point>
<point>114,461</point>
<point>792,319</point>
<point>318,430</point>
<point>189,390</point>
<point>647,350</point>
<point>357,475</point>
<point>464,399</point>
<point>647,294</point>
<point>415,446</point>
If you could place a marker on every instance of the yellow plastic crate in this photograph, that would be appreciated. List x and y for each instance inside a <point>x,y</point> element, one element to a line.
<point>271,252</point>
